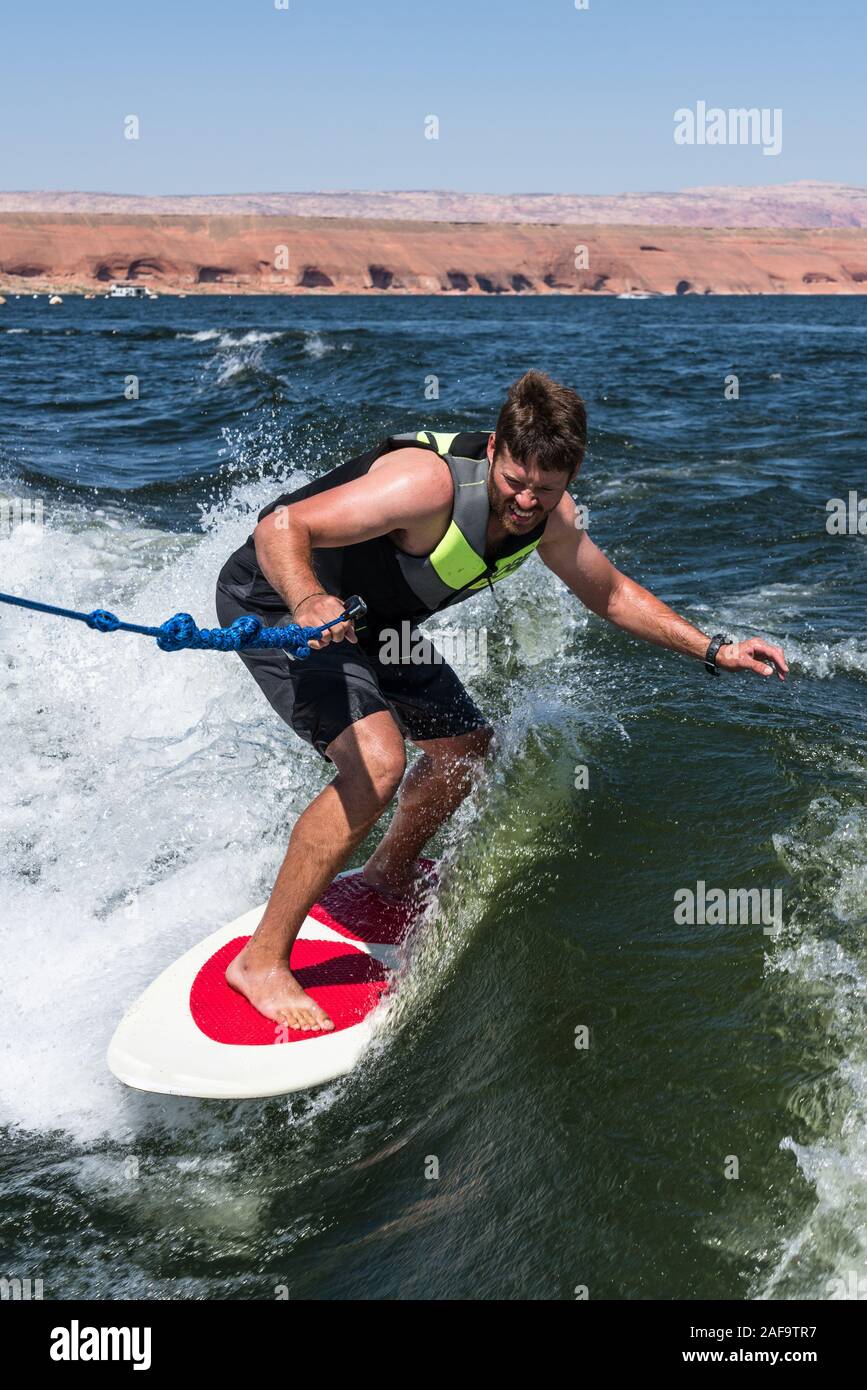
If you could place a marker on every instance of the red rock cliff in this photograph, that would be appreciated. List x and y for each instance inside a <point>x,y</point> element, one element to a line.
<point>272,254</point>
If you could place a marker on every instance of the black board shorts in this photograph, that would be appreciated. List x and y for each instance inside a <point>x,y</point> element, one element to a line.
<point>321,696</point>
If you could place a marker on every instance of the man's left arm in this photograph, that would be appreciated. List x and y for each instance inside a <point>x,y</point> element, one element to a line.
<point>572,556</point>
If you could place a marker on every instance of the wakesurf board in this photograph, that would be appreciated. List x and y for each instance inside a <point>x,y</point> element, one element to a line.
<point>191,1034</point>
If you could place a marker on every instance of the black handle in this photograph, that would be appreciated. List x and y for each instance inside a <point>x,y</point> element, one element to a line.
<point>355,608</point>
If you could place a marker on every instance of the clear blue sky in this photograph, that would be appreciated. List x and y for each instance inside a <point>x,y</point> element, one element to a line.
<point>532,95</point>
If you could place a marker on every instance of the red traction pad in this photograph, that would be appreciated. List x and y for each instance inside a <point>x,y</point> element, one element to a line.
<point>358,912</point>
<point>346,982</point>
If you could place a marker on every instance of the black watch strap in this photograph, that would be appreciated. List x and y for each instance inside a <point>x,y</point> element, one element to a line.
<point>720,640</point>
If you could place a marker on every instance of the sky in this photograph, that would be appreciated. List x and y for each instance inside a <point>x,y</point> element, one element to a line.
<point>240,96</point>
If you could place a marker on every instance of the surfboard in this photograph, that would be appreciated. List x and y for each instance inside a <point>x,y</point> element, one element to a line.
<point>191,1034</point>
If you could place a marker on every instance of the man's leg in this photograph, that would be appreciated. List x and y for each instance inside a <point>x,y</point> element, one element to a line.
<point>434,788</point>
<point>370,759</point>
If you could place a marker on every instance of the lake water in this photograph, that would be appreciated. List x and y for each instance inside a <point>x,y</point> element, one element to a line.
<point>148,798</point>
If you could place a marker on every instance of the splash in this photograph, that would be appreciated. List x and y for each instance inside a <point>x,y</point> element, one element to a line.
<point>824,964</point>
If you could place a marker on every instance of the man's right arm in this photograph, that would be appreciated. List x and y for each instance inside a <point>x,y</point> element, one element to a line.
<point>411,485</point>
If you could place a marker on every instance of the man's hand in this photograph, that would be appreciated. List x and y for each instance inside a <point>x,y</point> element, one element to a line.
<point>323,608</point>
<point>753,655</point>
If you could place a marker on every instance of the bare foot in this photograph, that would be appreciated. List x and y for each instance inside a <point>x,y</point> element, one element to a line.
<point>393,888</point>
<point>271,988</point>
<point>389,889</point>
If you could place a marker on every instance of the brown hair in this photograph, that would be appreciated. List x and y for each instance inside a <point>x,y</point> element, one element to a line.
<point>543,423</point>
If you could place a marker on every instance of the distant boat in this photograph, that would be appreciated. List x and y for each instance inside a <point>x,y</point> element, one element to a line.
<point>635,294</point>
<point>127,292</point>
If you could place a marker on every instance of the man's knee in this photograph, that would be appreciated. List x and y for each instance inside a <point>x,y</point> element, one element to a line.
<point>384,771</point>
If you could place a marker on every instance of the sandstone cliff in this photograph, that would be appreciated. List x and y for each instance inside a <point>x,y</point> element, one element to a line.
<point>272,254</point>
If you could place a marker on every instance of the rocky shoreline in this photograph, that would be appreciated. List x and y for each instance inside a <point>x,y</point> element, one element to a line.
<point>66,253</point>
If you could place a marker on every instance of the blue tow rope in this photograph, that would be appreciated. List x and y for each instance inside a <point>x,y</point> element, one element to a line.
<point>181,634</point>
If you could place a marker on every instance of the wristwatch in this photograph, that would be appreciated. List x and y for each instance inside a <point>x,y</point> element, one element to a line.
<point>720,640</point>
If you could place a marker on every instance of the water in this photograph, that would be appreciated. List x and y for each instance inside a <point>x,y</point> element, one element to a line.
<point>148,798</point>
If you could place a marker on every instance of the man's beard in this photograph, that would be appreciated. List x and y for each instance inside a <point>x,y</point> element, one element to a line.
<point>500,510</point>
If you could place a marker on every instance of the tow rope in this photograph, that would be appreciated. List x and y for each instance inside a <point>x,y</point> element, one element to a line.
<point>180,633</point>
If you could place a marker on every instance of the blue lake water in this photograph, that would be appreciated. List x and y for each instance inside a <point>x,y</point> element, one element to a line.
<point>148,798</point>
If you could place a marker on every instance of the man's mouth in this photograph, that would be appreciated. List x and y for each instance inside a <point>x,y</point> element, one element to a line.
<point>522,517</point>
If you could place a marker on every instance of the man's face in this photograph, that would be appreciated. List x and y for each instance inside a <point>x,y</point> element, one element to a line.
<point>521,495</point>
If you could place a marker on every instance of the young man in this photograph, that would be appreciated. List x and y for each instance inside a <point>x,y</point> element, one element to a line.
<point>419,523</point>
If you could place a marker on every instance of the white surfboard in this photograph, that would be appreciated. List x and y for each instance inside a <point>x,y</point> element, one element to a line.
<point>191,1034</point>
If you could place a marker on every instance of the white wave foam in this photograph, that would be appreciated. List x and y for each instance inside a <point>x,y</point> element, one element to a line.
<point>229,340</point>
<point>827,1257</point>
<point>235,365</point>
<point>146,799</point>
<point>254,337</point>
<point>204,335</point>
<point>824,660</point>
<point>316,346</point>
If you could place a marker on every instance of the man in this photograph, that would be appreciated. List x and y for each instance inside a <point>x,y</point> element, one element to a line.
<point>419,523</point>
